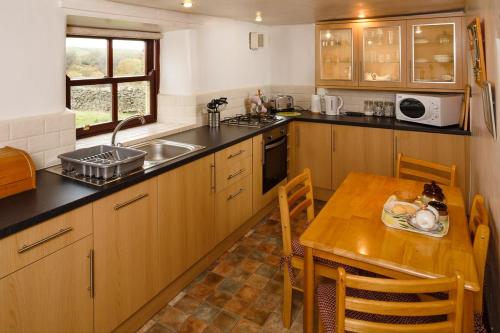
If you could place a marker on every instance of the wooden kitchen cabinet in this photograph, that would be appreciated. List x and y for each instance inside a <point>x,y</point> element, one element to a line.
<point>233,207</point>
<point>185,216</point>
<point>382,48</point>
<point>313,150</point>
<point>440,148</point>
<point>336,55</point>
<point>361,149</point>
<point>436,53</point>
<point>50,295</point>
<point>126,253</point>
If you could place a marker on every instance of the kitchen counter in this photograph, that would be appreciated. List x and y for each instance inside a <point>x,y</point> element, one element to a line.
<point>56,195</point>
<point>379,122</point>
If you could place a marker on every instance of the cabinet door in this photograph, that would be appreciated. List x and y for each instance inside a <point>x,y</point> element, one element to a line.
<point>185,216</point>
<point>435,48</point>
<point>361,149</point>
<point>126,253</point>
<point>335,55</point>
<point>440,148</point>
<point>382,54</point>
<point>313,150</point>
<point>50,295</point>
<point>233,206</point>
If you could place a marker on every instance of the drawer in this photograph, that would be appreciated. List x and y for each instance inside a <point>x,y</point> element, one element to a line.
<point>233,207</point>
<point>236,152</point>
<point>233,172</point>
<point>30,245</point>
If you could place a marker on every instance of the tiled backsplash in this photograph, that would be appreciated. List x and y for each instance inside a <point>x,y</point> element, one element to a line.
<point>354,99</point>
<point>43,137</point>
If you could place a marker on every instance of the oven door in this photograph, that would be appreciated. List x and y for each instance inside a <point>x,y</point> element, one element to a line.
<point>413,108</point>
<point>275,163</point>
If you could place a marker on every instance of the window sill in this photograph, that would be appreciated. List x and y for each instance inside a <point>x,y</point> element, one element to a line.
<point>135,135</point>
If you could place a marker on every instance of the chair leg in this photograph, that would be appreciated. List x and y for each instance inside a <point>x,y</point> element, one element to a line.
<point>287,299</point>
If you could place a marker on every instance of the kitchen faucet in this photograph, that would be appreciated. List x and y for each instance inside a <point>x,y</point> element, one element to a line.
<point>122,123</point>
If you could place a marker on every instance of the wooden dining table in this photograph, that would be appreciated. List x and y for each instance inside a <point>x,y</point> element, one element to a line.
<point>349,230</point>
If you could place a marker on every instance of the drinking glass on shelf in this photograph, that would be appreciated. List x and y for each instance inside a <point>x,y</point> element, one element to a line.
<point>389,108</point>
<point>378,108</point>
<point>368,108</point>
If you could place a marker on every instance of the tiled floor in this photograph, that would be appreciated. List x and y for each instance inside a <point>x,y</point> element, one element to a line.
<point>240,293</point>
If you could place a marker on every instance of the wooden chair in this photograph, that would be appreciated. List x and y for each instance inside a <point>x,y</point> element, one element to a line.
<point>480,235</point>
<point>412,168</point>
<point>295,197</point>
<point>364,304</point>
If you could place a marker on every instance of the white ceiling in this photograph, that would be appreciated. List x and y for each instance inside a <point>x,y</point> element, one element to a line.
<point>302,11</point>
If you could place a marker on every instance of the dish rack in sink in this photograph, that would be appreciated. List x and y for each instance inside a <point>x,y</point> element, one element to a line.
<point>102,162</point>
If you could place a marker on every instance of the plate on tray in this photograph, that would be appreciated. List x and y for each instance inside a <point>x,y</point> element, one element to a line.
<point>403,218</point>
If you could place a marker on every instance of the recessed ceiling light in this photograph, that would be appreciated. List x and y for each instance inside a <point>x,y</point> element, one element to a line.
<point>187,3</point>
<point>361,14</point>
<point>258,17</point>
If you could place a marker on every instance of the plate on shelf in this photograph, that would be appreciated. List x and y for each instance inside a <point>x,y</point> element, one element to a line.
<point>421,60</point>
<point>421,41</point>
<point>442,58</point>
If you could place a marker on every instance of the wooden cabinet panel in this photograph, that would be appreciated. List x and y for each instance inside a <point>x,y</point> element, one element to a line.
<point>436,53</point>
<point>232,172</point>
<point>236,152</point>
<point>233,206</point>
<point>185,216</point>
<point>440,148</point>
<point>126,253</point>
<point>50,236</point>
<point>313,150</point>
<point>50,295</point>
<point>361,149</point>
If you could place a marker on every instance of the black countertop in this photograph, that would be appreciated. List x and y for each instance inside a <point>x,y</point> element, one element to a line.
<point>56,195</point>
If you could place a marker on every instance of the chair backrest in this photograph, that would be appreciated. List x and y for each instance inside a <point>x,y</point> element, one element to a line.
<point>412,168</point>
<point>295,197</point>
<point>478,214</point>
<point>451,309</point>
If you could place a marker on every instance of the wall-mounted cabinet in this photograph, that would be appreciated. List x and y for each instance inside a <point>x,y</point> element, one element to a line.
<point>418,54</point>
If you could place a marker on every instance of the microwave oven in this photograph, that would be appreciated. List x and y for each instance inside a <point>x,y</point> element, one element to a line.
<point>436,110</point>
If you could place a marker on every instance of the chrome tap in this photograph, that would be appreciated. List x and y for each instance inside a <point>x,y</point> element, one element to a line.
<point>122,123</point>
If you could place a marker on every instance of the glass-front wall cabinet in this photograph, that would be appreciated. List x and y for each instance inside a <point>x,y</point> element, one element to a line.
<point>436,57</point>
<point>336,54</point>
<point>381,54</point>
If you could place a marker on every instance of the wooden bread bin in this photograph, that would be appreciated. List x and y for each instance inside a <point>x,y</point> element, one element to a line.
<point>17,172</point>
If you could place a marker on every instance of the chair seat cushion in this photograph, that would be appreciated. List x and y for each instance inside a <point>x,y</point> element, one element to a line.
<point>298,250</point>
<point>325,294</point>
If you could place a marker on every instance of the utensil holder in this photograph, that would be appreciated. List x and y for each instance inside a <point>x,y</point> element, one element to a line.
<point>213,119</point>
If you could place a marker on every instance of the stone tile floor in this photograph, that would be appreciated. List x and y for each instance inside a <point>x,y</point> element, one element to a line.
<point>240,293</point>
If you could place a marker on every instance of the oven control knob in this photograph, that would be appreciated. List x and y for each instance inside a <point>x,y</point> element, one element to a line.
<point>282,131</point>
<point>270,137</point>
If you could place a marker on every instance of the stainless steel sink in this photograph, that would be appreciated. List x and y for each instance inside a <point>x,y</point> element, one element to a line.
<point>161,151</point>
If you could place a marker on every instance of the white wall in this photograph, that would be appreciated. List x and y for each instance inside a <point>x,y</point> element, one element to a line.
<point>485,152</point>
<point>292,54</point>
<point>32,41</point>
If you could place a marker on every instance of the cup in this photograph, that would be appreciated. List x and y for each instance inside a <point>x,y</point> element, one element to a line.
<point>368,108</point>
<point>316,104</point>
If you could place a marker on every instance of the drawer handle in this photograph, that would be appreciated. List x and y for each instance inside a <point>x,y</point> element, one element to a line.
<point>232,196</point>
<point>128,202</point>
<point>91,271</point>
<point>237,173</point>
<point>236,154</point>
<point>27,247</point>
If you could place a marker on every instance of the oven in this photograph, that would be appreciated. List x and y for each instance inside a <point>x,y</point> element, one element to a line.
<point>274,161</point>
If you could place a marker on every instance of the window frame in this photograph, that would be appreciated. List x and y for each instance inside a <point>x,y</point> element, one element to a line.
<point>152,75</point>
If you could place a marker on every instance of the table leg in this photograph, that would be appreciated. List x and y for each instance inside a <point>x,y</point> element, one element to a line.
<point>468,317</point>
<point>308,291</point>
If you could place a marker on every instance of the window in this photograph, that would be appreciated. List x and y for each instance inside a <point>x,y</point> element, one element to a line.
<point>109,79</point>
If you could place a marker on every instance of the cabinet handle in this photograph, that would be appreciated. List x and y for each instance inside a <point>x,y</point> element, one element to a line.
<point>237,173</point>
<point>333,141</point>
<point>91,277</point>
<point>232,196</point>
<point>27,247</point>
<point>395,150</point>
<point>263,151</point>
<point>360,74</point>
<point>212,177</point>
<point>236,154</point>
<point>128,202</point>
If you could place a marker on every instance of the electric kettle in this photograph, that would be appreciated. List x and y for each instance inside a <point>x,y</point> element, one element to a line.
<point>333,104</point>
